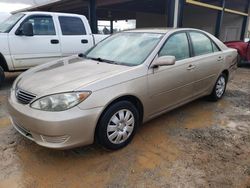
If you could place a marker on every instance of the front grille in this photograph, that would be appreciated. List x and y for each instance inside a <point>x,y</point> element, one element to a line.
<point>24,97</point>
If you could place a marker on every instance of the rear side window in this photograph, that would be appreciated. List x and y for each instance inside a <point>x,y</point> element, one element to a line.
<point>176,45</point>
<point>201,43</point>
<point>72,26</point>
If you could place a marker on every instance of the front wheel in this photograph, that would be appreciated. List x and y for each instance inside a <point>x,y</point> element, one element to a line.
<point>117,125</point>
<point>2,76</point>
<point>219,88</point>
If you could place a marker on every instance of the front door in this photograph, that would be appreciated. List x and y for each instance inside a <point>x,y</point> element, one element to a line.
<point>44,46</point>
<point>171,85</point>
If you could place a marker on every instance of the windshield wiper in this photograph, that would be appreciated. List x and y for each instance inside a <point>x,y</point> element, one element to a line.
<point>102,60</point>
<point>107,61</point>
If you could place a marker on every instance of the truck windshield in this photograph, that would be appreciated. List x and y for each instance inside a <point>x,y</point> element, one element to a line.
<point>10,22</point>
<point>126,48</point>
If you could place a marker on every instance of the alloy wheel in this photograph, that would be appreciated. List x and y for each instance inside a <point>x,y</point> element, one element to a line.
<point>220,86</point>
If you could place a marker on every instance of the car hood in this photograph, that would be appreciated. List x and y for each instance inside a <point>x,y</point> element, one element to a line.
<point>66,75</point>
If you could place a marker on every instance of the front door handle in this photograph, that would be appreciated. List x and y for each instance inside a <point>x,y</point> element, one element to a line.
<point>191,67</point>
<point>54,41</point>
<point>84,41</point>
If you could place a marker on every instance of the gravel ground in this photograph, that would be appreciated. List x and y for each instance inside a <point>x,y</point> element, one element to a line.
<point>202,144</point>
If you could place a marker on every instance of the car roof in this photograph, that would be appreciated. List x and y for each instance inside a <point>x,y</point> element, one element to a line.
<point>160,30</point>
<point>150,30</point>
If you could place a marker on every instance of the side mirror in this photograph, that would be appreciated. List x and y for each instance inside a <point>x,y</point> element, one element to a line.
<point>27,29</point>
<point>164,61</point>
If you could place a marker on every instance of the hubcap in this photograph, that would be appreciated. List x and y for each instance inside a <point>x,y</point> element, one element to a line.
<point>220,86</point>
<point>121,126</point>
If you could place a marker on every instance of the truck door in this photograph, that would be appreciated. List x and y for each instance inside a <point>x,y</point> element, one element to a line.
<point>75,37</point>
<point>42,47</point>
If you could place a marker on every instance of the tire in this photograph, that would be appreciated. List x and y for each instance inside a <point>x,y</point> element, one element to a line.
<point>2,76</point>
<point>112,131</point>
<point>219,88</point>
<point>239,60</point>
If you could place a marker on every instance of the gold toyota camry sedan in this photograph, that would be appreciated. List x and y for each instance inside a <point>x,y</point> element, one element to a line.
<point>124,81</point>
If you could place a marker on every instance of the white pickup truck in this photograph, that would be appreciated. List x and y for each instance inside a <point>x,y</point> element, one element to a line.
<point>28,39</point>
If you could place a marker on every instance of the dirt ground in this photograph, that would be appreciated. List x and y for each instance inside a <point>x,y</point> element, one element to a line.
<point>202,144</point>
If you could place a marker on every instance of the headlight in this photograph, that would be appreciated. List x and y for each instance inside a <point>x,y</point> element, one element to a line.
<point>60,102</point>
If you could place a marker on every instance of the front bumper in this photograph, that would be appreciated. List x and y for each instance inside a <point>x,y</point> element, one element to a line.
<point>60,130</point>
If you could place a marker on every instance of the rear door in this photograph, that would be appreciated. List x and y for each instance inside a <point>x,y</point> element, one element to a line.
<point>44,46</point>
<point>75,38</point>
<point>172,85</point>
<point>207,61</point>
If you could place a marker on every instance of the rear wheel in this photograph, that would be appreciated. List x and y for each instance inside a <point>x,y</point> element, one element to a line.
<point>117,125</point>
<point>239,60</point>
<point>2,76</point>
<point>219,88</point>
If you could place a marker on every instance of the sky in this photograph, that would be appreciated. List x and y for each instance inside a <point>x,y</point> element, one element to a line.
<point>12,5</point>
<point>7,6</point>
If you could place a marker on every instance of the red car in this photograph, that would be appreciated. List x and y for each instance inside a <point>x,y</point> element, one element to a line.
<point>243,49</point>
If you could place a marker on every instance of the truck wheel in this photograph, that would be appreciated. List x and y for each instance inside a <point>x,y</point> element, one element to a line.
<point>2,76</point>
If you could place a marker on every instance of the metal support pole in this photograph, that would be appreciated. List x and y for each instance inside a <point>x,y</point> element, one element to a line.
<point>111,27</point>
<point>245,20</point>
<point>219,20</point>
<point>170,13</point>
<point>180,13</point>
<point>92,16</point>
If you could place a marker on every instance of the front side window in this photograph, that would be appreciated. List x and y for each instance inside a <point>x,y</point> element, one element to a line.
<point>72,26</point>
<point>176,45</point>
<point>201,43</point>
<point>125,48</point>
<point>42,25</point>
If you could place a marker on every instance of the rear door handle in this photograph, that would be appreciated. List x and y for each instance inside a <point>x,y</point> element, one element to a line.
<point>191,67</point>
<point>84,41</point>
<point>54,41</point>
<point>220,58</point>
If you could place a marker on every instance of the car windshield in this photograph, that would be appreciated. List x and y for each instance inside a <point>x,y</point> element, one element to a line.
<point>9,23</point>
<point>125,48</point>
